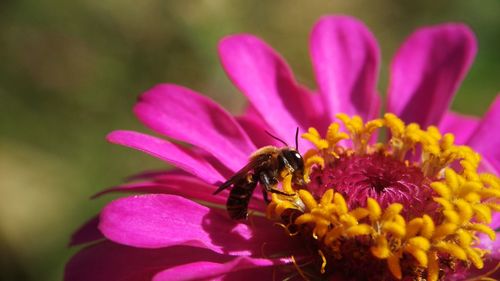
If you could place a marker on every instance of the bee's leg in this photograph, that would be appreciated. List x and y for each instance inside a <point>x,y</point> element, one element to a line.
<point>265,196</point>
<point>274,190</point>
<point>269,182</point>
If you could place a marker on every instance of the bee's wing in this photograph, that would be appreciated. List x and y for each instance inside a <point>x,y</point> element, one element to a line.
<point>254,162</point>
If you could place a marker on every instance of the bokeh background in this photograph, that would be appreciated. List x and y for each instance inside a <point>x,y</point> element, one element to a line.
<point>70,72</point>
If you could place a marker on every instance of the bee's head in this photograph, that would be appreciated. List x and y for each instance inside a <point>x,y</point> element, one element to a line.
<point>296,161</point>
<point>291,158</point>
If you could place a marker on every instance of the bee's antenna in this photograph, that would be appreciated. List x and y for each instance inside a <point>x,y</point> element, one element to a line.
<point>276,138</point>
<point>297,139</point>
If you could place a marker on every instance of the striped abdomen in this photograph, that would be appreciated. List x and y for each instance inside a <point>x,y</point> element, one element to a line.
<point>239,197</point>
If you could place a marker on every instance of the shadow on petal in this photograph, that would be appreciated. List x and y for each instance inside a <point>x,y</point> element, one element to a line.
<point>106,261</point>
<point>256,236</point>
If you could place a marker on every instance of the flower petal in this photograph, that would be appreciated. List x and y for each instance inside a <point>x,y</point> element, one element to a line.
<point>492,245</point>
<point>155,221</point>
<point>177,155</point>
<point>106,261</point>
<point>460,125</point>
<point>240,268</point>
<point>183,185</point>
<point>185,115</point>
<point>152,174</point>
<point>262,75</point>
<point>346,59</point>
<point>88,232</point>
<point>485,139</point>
<point>472,273</point>
<point>256,129</point>
<point>427,71</point>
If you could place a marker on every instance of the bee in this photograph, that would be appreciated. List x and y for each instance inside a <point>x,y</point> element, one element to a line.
<point>267,166</point>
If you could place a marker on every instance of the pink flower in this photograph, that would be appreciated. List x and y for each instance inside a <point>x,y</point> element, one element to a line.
<point>165,235</point>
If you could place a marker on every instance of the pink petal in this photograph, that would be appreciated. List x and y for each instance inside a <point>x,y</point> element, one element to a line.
<point>138,187</point>
<point>346,59</point>
<point>495,221</point>
<point>263,76</point>
<point>183,185</point>
<point>151,174</point>
<point>88,232</point>
<point>491,245</point>
<point>487,243</point>
<point>321,119</point>
<point>472,273</point>
<point>185,115</point>
<point>240,268</point>
<point>427,71</point>
<point>485,139</point>
<point>489,267</point>
<point>256,129</point>
<point>460,125</point>
<point>216,163</point>
<point>155,221</point>
<point>177,155</point>
<point>106,261</point>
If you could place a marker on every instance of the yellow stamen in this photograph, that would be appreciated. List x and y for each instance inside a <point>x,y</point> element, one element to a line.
<point>433,266</point>
<point>313,136</point>
<point>359,132</point>
<point>419,254</point>
<point>428,227</point>
<point>394,266</point>
<point>340,203</point>
<point>414,226</point>
<point>358,230</point>
<point>374,209</point>
<point>323,263</point>
<point>451,249</point>
<point>308,199</point>
<point>381,250</point>
<point>327,197</point>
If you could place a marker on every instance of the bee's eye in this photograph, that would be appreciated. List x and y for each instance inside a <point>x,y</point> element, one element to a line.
<point>294,159</point>
<point>299,161</point>
<point>297,155</point>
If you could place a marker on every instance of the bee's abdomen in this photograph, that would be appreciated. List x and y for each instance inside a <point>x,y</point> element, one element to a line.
<point>239,198</point>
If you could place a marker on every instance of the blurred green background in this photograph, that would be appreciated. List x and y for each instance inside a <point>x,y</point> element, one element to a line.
<point>70,72</point>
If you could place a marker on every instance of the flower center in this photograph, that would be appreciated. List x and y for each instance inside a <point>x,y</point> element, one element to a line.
<point>411,207</point>
<point>383,178</point>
